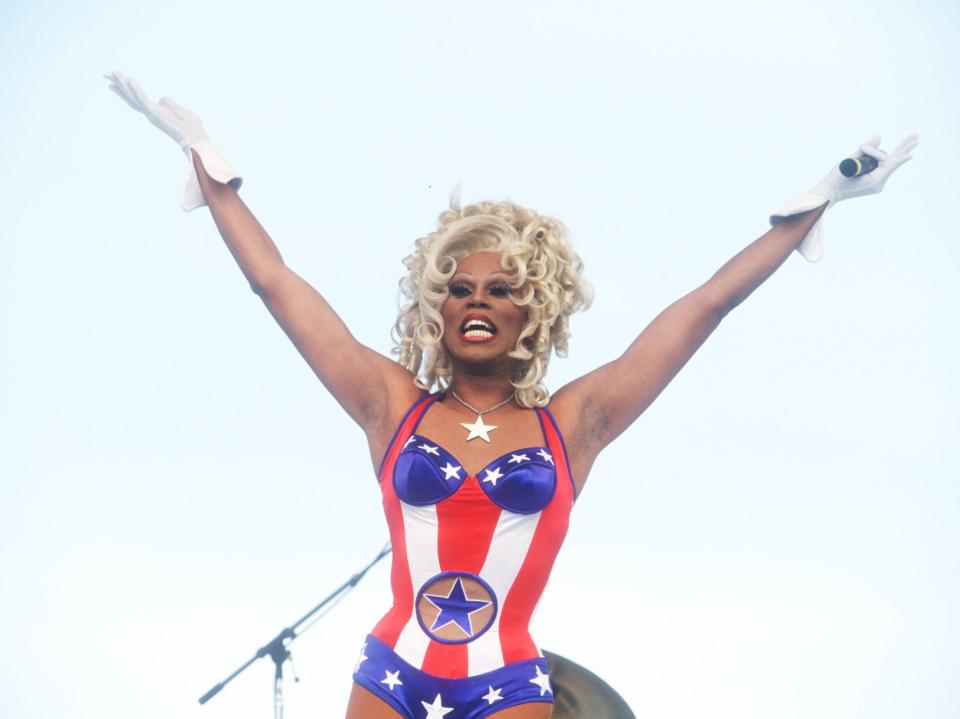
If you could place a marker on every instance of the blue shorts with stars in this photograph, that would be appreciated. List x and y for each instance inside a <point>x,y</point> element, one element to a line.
<point>418,695</point>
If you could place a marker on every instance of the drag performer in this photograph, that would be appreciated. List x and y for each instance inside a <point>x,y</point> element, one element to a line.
<point>478,464</point>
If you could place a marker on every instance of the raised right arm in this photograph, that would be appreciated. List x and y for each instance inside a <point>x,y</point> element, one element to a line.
<point>373,389</point>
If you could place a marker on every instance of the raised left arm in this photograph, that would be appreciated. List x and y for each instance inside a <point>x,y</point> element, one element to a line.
<point>603,403</point>
<point>609,399</point>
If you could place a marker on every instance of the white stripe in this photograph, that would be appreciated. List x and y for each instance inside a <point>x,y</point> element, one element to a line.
<point>508,549</point>
<point>420,529</point>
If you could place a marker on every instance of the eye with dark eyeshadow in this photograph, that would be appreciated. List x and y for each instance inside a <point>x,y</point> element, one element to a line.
<point>500,289</point>
<point>459,289</point>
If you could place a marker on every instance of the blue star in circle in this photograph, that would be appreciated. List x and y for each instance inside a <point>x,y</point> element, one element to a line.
<point>455,607</point>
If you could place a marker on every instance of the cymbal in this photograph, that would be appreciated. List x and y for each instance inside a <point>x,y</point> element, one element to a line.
<point>580,694</point>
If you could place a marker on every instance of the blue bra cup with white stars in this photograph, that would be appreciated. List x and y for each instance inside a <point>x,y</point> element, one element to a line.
<point>522,481</point>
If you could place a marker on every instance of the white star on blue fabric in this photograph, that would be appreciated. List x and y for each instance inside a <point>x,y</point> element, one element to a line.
<point>428,449</point>
<point>391,679</point>
<point>436,710</point>
<point>361,659</point>
<point>493,695</point>
<point>412,439</point>
<point>451,471</point>
<point>517,458</point>
<point>493,475</point>
<point>546,457</point>
<point>543,681</point>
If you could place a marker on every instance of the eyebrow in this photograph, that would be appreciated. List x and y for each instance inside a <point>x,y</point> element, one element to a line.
<point>498,273</point>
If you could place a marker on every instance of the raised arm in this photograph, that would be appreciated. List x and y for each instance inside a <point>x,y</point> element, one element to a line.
<point>370,387</point>
<point>609,399</point>
<point>364,382</point>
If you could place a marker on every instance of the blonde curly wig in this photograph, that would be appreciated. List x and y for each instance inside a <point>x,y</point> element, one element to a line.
<point>546,272</point>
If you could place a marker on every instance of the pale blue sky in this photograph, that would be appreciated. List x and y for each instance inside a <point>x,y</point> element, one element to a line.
<point>776,536</point>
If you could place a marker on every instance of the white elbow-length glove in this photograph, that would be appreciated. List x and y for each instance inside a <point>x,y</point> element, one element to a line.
<point>186,129</point>
<point>835,187</point>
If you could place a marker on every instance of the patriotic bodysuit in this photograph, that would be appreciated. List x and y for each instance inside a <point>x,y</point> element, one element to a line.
<point>471,558</point>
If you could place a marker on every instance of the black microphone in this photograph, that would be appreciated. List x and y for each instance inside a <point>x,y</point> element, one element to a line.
<point>856,166</point>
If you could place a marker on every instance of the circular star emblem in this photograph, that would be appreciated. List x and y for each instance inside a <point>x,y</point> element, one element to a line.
<point>455,607</point>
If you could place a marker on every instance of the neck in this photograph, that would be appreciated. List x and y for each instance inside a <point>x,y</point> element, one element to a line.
<point>481,391</point>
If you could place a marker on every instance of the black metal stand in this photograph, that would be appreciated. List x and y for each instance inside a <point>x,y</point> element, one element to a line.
<point>276,648</point>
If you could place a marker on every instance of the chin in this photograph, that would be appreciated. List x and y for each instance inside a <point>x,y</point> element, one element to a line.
<point>478,351</point>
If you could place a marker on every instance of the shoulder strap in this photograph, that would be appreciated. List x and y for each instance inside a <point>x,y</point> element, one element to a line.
<point>409,421</point>
<point>558,448</point>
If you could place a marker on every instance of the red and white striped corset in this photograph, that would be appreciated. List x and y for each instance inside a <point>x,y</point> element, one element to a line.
<point>471,554</point>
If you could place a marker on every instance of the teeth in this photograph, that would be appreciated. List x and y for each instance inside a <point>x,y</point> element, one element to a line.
<point>477,334</point>
<point>477,325</point>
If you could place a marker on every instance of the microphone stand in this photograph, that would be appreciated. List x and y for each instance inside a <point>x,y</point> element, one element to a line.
<point>276,648</point>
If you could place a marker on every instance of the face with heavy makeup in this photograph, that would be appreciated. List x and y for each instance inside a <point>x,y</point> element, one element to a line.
<point>481,321</point>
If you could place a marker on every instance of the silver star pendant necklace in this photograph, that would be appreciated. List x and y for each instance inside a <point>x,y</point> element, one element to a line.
<point>478,428</point>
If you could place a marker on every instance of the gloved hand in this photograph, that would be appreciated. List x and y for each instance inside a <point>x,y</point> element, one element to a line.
<point>835,187</point>
<point>186,129</point>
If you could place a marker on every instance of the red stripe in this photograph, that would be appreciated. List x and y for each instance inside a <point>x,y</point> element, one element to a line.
<point>466,523</point>
<point>389,627</point>
<point>531,580</point>
<point>445,660</point>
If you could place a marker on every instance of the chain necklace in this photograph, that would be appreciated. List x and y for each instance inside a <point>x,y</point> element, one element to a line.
<point>478,428</point>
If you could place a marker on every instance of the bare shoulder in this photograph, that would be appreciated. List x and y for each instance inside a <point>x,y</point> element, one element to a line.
<point>565,406</point>
<point>570,408</point>
<point>399,394</point>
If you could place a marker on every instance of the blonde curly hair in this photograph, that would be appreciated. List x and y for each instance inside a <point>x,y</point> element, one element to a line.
<point>535,249</point>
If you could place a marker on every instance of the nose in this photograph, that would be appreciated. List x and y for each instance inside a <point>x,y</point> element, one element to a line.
<point>477,299</point>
